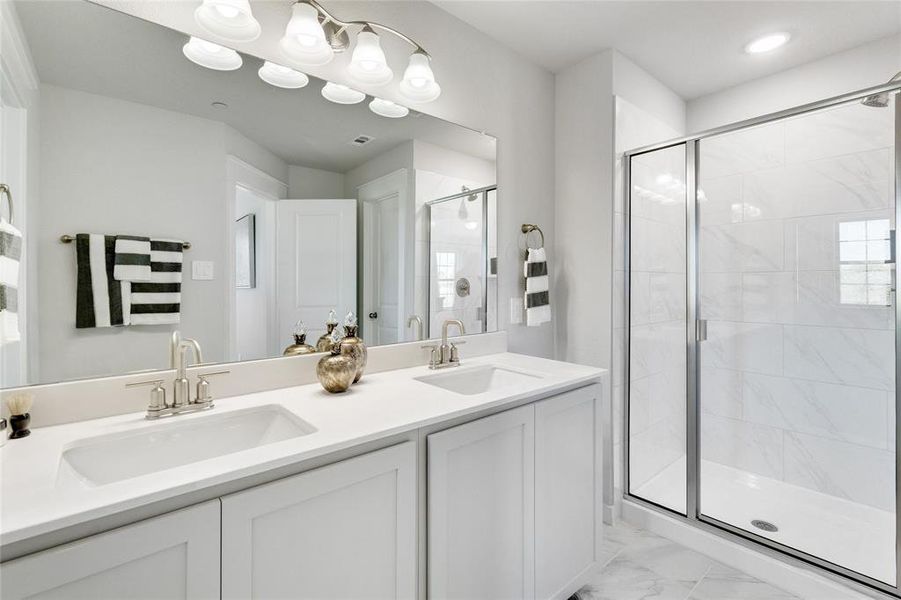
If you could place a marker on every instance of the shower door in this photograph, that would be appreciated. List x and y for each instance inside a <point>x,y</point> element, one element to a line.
<point>796,309</point>
<point>762,332</point>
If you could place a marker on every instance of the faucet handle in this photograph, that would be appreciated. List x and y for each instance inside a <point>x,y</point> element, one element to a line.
<point>203,386</point>
<point>157,394</point>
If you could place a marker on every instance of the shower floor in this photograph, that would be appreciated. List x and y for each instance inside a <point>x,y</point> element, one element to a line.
<point>855,536</point>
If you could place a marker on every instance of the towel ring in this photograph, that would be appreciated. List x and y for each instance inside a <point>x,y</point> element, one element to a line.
<point>528,228</point>
<point>4,190</point>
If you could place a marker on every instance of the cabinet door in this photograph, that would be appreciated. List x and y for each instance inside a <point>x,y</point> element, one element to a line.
<point>481,508</point>
<point>347,530</point>
<point>566,492</point>
<point>173,556</point>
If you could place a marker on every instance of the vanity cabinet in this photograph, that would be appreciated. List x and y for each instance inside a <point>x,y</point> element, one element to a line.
<point>171,556</point>
<point>346,530</point>
<point>512,503</point>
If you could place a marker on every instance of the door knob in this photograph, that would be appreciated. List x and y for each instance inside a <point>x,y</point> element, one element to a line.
<point>373,315</point>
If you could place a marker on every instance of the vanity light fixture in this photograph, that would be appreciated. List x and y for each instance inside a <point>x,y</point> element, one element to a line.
<point>767,43</point>
<point>212,56</point>
<point>281,76</point>
<point>314,35</point>
<point>230,20</point>
<point>368,64</point>
<point>341,94</point>
<point>386,108</point>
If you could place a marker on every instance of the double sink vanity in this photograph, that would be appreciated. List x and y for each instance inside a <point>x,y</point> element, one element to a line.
<point>475,482</point>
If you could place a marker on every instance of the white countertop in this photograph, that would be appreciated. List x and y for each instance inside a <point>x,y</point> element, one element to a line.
<point>35,501</point>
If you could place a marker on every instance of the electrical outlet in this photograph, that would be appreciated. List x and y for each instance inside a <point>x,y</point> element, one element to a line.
<point>516,310</point>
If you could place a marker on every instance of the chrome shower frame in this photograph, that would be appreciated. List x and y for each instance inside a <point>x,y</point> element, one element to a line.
<point>693,515</point>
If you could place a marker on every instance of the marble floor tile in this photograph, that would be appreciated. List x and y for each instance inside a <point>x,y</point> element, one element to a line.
<point>639,565</point>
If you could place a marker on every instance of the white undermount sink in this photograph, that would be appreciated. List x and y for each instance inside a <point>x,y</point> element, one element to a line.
<point>477,380</point>
<point>173,443</point>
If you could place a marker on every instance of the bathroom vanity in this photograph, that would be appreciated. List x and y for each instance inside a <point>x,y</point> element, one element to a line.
<point>476,482</point>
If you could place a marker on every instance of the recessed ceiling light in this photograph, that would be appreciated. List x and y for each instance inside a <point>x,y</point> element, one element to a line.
<point>218,104</point>
<point>767,43</point>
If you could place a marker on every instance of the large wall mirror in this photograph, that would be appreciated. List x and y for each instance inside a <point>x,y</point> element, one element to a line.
<point>264,206</point>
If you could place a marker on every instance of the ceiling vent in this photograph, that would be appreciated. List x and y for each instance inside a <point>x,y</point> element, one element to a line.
<point>361,140</point>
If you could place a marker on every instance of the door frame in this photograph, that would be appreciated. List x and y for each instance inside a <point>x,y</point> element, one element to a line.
<point>693,516</point>
<point>242,174</point>
<point>397,182</point>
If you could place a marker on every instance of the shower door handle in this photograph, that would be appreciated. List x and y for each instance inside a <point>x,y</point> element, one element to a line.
<point>701,330</point>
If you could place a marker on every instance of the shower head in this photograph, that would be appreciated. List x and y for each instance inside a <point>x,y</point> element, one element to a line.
<point>880,100</point>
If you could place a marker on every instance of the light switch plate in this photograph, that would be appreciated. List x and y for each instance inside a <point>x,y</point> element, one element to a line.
<point>516,310</point>
<point>202,270</point>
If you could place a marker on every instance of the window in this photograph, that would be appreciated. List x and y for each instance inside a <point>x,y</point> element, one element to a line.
<point>446,267</point>
<point>864,255</point>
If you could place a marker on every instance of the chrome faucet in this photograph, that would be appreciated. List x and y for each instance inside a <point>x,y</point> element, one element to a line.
<point>446,355</point>
<point>181,388</point>
<point>418,321</point>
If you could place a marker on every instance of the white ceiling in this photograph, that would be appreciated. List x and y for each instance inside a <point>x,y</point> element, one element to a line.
<point>694,47</point>
<point>123,57</point>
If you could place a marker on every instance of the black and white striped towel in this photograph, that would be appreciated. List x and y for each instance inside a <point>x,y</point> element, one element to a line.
<point>10,255</point>
<point>158,301</point>
<point>132,258</point>
<point>101,301</point>
<point>537,300</point>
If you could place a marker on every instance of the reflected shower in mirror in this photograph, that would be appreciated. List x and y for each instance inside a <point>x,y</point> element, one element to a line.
<point>226,205</point>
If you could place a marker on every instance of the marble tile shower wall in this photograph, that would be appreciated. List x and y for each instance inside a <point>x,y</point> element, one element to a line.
<point>797,382</point>
<point>635,128</point>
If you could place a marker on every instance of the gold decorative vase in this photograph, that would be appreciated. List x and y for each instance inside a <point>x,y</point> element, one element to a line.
<point>355,347</point>
<point>336,370</point>
<point>300,346</point>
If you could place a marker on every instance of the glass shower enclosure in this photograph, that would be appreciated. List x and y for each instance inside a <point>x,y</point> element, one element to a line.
<point>462,251</point>
<point>762,329</point>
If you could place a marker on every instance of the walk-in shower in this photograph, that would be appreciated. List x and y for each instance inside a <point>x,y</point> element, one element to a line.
<point>762,332</point>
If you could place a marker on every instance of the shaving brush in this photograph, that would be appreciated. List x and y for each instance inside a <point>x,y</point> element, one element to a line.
<point>19,405</point>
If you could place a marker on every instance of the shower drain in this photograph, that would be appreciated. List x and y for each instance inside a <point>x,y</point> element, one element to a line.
<point>765,525</point>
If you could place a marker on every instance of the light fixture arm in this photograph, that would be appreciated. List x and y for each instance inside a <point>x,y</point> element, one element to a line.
<point>343,25</point>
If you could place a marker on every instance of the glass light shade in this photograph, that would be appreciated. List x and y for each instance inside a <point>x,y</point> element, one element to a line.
<point>341,94</point>
<point>283,77</point>
<point>386,108</point>
<point>368,64</point>
<point>212,56</point>
<point>228,19</point>
<point>419,83</point>
<point>304,41</point>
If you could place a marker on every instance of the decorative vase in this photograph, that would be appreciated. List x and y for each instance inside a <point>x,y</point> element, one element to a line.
<point>355,347</point>
<point>336,370</point>
<point>300,345</point>
<point>324,343</point>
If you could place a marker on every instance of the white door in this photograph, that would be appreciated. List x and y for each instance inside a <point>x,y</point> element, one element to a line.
<point>481,509</point>
<point>173,556</point>
<point>347,530</point>
<point>316,264</point>
<point>567,484</point>
<point>386,281</point>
